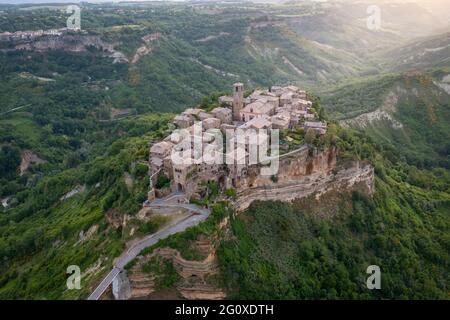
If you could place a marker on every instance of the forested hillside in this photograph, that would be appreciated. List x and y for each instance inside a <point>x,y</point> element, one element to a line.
<point>407,113</point>
<point>426,52</point>
<point>51,226</point>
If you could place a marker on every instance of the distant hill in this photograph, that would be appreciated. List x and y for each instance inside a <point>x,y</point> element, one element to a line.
<point>426,52</point>
<point>408,113</point>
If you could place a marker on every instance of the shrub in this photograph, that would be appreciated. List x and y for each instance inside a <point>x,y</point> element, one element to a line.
<point>231,193</point>
<point>162,181</point>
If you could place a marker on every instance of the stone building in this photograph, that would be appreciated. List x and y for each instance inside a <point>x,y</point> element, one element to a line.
<point>225,115</point>
<point>158,152</point>
<point>318,126</point>
<point>183,121</point>
<point>281,121</point>
<point>280,108</point>
<point>211,123</point>
<point>226,101</point>
<point>255,110</point>
<point>238,100</point>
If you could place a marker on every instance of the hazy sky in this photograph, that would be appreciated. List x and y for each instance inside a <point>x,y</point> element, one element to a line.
<point>429,3</point>
<point>432,4</point>
<point>50,1</point>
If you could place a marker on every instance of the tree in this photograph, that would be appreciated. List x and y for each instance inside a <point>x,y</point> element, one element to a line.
<point>162,181</point>
<point>9,161</point>
<point>310,136</point>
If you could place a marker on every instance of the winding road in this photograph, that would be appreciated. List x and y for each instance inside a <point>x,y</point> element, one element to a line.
<point>197,215</point>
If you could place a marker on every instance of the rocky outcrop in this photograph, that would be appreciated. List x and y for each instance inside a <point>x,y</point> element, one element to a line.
<point>116,219</point>
<point>78,189</point>
<point>73,43</point>
<point>218,71</point>
<point>202,291</point>
<point>444,84</point>
<point>213,37</point>
<point>304,173</point>
<point>383,113</point>
<point>28,158</point>
<point>121,287</point>
<point>314,184</point>
<point>195,276</point>
<point>147,47</point>
<point>301,175</point>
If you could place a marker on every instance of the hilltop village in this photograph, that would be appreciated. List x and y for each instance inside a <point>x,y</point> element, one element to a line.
<point>306,169</point>
<point>31,35</point>
<point>280,108</point>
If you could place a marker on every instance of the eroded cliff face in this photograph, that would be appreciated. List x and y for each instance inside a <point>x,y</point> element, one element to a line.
<point>293,168</point>
<point>73,43</point>
<point>80,42</point>
<point>196,278</point>
<point>303,174</point>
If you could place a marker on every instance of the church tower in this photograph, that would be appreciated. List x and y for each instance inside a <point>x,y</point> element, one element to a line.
<point>238,100</point>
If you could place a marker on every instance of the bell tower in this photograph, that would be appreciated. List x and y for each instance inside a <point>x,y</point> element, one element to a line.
<point>238,100</point>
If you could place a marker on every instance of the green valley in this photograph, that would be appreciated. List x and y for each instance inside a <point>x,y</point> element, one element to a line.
<point>80,110</point>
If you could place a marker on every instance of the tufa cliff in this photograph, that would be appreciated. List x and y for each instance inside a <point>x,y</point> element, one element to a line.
<point>304,173</point>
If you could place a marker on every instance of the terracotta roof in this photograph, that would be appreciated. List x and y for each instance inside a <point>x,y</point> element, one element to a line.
<point>258,107</point>
<point>257,123</point>
<point>161,147</point>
